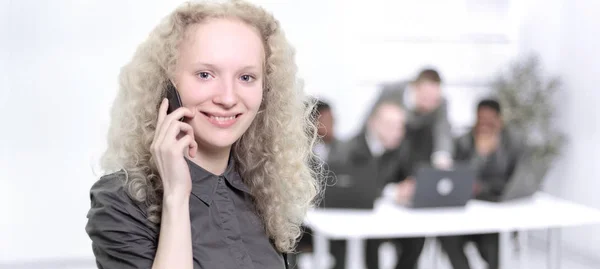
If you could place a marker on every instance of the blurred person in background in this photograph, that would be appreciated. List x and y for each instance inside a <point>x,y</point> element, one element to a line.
<point>327,146</point>
<point>223,181</point>
<point>494,152</point>
<point>382,143</point>
<point>325,122</point>
<point>427,124</point>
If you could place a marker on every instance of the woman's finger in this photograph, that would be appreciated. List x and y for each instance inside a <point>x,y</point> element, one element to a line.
<point>193,149</point>
<point>180,113</point>
<point>162,112</point>
<point>170,119</point>
<point>177,130</point>
<point>183,144</point>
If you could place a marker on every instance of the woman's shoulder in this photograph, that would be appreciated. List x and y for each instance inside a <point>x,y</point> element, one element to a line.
<point>111,205</point>
<point>111,186</point>
<point>115,224</point>
<point>109,194</point>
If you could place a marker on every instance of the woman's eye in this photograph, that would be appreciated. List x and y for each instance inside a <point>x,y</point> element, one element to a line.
<point>247,78</point>
<point>204,75</point>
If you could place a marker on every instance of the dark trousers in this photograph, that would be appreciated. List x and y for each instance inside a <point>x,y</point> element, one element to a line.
<point>487,245</point>
<point>305,245</point>
<point>337,248</point>
<point>408,251</point>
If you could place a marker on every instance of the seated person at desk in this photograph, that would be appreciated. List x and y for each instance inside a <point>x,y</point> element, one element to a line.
<point>491,150</point>
<point>325,121</point>
<point>326,147</point>
<point>381,145</point>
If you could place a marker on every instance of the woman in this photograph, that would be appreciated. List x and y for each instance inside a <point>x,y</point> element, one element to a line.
<point>228,185</point>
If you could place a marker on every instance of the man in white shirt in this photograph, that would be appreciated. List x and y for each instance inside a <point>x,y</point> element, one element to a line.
<point>381,144</point>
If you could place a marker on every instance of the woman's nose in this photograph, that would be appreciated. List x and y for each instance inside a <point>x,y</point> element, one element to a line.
<point>227,95</point>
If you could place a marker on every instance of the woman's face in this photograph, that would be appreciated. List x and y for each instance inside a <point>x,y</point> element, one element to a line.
<point>219,74</point>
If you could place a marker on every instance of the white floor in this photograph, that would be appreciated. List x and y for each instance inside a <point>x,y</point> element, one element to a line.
<point>537,260</point>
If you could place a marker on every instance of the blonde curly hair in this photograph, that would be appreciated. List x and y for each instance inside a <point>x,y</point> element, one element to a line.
<point>273,156</point>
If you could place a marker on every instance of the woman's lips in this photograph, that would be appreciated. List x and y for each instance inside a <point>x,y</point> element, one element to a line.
<point>221,120</point>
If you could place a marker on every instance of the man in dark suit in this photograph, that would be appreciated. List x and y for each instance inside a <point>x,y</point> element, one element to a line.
<point>494,152</point>
<point>427,124</point>
<point>381,147</point>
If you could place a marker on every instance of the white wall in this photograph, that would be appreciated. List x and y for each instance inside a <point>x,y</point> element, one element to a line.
<point>60,61</point>
<point>566,34</point>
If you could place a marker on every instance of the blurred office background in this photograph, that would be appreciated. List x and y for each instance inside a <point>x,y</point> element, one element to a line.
<point>59,62</point>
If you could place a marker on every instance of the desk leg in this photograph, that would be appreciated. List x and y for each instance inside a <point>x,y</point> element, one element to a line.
<point>355,253</point>
<point>523,250</point>
<point>553,254</point>
<point>504,249</point>
<point>321,250</point>
<point>436,248</point>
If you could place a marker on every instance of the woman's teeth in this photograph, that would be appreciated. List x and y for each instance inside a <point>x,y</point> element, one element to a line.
<point>223,118</point>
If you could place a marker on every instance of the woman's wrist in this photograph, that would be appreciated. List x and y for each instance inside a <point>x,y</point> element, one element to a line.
<point>174,201</point>
<point>174,243</point>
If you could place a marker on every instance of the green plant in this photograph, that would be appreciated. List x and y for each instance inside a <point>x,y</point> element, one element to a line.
<point>528,97</point>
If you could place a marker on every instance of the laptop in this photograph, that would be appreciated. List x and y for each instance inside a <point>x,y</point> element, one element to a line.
<point>527,178</point>
<point>443,188</point>
<point>350,186</point>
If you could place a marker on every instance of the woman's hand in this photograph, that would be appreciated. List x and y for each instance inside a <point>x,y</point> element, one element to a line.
<point>173,140</point>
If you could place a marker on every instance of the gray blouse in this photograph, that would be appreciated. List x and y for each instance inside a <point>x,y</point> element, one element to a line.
<point>226,231</point>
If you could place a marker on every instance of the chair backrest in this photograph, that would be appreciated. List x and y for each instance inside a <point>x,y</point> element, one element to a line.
<point>528,177</point>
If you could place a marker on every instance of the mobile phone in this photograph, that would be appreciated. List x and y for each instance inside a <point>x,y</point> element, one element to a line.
<point>174,98</point>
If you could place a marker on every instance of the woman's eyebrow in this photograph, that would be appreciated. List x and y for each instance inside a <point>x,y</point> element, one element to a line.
<point>249,67</point>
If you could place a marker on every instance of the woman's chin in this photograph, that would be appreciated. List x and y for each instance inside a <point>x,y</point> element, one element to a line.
<point>215,143</point>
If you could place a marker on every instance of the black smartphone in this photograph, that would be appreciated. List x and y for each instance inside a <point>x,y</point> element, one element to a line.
<point>174,98</point>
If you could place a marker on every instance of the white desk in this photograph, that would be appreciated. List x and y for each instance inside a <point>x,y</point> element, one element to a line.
<point>542,211</point>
